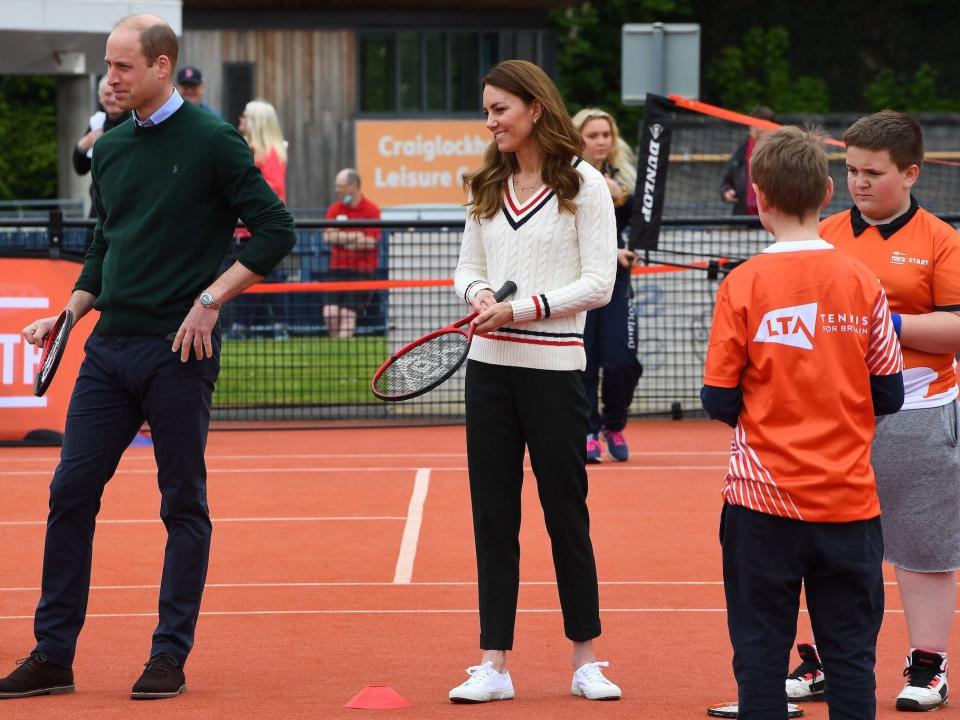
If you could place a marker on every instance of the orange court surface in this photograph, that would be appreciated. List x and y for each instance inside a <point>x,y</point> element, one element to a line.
<point>344,558</point>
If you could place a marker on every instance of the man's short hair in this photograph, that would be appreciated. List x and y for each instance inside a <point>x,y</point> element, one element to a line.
<point>790,167</point>
<point>352,176</point>
<point>156,38</point>
<point>897,133</point>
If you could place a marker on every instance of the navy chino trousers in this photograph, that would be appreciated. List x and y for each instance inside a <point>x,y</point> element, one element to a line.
<point>610,341</point>
<point>765,561</point>
<point>123,382</point>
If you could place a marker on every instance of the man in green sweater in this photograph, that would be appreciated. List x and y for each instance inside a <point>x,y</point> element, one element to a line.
<point>171,182</point>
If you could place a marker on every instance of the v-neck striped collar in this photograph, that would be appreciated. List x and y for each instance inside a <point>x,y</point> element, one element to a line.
<point>518,213</point>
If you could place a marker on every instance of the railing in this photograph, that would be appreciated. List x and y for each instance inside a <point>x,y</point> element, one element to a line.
<point>280,365</point>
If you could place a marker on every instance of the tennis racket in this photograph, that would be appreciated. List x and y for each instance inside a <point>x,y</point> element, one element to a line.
<point>729,710</point>
<point>426,363</point>
<point>53,347</point>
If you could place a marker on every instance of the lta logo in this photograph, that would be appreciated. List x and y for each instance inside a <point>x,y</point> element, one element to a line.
<point>793,326</point>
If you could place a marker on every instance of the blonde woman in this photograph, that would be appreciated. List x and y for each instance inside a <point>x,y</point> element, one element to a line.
<point>543,218</point>
<point>610,333</point>
<point>261,128</point>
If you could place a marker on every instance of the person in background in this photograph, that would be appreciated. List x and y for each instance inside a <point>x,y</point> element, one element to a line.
<point>610,333</point>
<point>190,87</point>
<point>260,127</point>
<point>353,253</point>
<point>101,121</point>
<point>737,185</point>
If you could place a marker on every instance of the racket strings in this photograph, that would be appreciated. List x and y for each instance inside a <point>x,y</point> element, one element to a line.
<point>423,366</point>
<point>52,355</point>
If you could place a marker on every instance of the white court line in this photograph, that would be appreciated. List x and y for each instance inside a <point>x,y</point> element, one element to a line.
<point>412,611</point>
<point>453,583</point>
<point>321,456</point>
<point>362,469</point>
<point>156,521</point>
<point>411,531</point>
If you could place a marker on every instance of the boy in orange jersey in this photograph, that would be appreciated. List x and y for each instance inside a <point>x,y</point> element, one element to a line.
<point>803,354</point>
<point>916,257</point>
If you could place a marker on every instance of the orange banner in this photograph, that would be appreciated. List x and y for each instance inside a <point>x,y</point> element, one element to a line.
<point>418,162</point>
<point>31,289</point>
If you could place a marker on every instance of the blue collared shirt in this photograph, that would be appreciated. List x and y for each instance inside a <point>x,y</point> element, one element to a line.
<point>162,113</point>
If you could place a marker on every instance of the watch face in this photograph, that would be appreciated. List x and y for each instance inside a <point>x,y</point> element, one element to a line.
<point>206,299</point>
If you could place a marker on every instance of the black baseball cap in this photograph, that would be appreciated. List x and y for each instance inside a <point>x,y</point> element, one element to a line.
<point>189,76</point>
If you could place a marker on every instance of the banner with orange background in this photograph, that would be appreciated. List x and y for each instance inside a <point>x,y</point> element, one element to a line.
<point>32,289</point>
<point>418,162</point>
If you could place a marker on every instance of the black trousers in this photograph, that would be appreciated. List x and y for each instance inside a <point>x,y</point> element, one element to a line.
<point>765,560</point>
<point>610,341</point>
<point>124,381</point>
<point>509,408</point>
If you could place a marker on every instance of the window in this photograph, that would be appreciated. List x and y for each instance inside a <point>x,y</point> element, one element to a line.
<point>377,62</point>
<point>437,71</point>
<point>238,89</point>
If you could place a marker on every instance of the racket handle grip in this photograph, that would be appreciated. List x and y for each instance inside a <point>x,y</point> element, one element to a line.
<point>505,291</point>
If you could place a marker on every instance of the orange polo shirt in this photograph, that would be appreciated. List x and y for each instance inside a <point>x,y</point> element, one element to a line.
<point>800,328</point>
<point>917,259</point>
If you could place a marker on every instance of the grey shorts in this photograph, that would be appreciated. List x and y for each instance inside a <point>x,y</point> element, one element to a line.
<point>917,463</point>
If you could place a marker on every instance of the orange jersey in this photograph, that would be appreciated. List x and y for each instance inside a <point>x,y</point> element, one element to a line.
<point>918,265</point>
<point>800,328</point>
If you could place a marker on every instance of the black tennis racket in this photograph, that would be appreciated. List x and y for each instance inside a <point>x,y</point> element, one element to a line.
<point>426,363</point>
<point>53,348</point>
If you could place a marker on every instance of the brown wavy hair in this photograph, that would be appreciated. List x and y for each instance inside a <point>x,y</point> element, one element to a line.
<point>553,131</point>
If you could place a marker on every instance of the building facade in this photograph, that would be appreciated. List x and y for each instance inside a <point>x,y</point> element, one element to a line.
<point>328,63</point>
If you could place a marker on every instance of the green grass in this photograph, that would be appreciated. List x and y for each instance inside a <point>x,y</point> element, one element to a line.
<point>298,371</point>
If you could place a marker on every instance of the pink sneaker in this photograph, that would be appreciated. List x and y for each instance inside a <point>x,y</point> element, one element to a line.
<point>594,451</point>
<point>616,445</point>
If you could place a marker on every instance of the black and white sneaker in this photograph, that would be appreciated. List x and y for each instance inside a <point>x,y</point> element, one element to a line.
<point>807,681</point>
<point>35,675</point>
<point>926,687</point>
<point>161,678</point>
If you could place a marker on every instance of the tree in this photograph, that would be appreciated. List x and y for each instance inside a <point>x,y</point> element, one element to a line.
<point>28,137</point>
<point>758,72</point>
<point>920,93</point>
<point>588,50</point>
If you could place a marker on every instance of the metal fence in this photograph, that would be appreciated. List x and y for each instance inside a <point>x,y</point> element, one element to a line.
<point>279,365</point>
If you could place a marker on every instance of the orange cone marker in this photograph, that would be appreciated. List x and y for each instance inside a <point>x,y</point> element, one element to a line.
<point>377,697</point>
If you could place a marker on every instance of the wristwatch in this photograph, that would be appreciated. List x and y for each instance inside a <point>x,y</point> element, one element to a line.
<point>209,301</point>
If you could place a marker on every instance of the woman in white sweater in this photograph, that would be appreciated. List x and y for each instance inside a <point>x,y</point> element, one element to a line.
<point>541,217</point>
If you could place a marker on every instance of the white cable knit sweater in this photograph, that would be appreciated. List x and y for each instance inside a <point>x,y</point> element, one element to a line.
<point>563,265</point>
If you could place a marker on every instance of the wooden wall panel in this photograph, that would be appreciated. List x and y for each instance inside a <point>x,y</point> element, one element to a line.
<point>310,77</point>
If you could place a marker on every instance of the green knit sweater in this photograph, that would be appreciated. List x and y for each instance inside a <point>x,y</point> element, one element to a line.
<point>168,201</point>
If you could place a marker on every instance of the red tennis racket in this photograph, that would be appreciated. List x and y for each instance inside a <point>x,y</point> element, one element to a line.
<point>730,710</point>
<point>426,363</point>
<point>53,347</point>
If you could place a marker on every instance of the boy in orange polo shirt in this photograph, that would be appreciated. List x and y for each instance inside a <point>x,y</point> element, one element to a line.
<point>916,458</point>
<point>803,354</point>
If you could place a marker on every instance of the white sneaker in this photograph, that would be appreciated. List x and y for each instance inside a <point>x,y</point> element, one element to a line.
<point>485,684</point>
<point>926,687</point>
<point>806,682</point>
<point>589,682</point>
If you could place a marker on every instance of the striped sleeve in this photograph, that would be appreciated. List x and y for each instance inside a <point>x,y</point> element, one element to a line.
<point>883,354</point>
